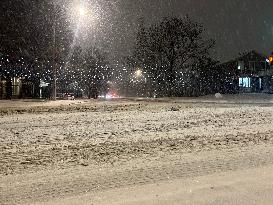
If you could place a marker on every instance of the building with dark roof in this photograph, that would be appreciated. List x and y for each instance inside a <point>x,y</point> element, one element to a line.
<point>251,72</point>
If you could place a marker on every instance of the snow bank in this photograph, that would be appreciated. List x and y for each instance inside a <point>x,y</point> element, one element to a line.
<point>218,96</point>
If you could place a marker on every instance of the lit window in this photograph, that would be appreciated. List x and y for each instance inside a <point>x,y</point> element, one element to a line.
<point>245,82</point>
<point>241,65</point>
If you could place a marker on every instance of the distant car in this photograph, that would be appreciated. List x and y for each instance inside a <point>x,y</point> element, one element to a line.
<point>111,95</point>
<point>69,96</point>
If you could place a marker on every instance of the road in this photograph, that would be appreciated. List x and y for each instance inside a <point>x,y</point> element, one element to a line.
<point>233,174</point>
<point>128,152</point>
<point>251,187</point>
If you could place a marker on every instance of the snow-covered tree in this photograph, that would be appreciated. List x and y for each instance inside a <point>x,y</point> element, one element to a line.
<point>27,38</point>
<point>168,49</point>
<point>87,72</point>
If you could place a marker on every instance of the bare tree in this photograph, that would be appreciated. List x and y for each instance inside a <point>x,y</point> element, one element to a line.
<point>87,72</point>
<point>27,35</point>
<point>170,48</point>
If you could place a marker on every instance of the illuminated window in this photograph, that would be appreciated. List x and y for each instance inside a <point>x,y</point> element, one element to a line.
<point>245,82</point>
<point>241,65</point>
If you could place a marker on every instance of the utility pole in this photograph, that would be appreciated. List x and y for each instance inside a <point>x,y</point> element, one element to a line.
<point>53,61</point>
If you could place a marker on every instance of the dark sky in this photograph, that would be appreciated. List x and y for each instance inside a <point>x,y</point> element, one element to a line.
<point>237,25</point>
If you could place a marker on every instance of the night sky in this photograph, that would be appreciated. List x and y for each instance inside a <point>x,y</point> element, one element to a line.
<point>237,25</point>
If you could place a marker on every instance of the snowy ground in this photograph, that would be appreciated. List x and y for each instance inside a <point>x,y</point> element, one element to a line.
<point>67,148</point>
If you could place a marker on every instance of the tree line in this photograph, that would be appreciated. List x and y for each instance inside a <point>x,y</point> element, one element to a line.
<point>173,55</point>
<point>32,33</point>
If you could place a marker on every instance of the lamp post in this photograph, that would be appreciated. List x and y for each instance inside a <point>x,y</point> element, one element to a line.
<point>140,76</point>
<point>53,59</point>
<point>81,12</point>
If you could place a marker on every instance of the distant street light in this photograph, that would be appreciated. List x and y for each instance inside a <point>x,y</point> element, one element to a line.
<point>138,73</point>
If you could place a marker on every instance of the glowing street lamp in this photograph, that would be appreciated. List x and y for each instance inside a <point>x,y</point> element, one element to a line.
<point>138,73</point>
<point>82,11</point>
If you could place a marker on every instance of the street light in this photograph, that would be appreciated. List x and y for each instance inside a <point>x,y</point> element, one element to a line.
<point>138,73</point>
<point>82,12</point>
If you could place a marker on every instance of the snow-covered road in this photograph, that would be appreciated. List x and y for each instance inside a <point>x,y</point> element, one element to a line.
<point>141,140</point>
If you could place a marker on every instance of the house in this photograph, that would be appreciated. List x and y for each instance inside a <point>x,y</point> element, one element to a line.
<point>15,87</point>
<point>23,78</point>
<point>251,72</point>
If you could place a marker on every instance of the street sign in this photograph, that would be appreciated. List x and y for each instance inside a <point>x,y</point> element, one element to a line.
<point>43,84</point>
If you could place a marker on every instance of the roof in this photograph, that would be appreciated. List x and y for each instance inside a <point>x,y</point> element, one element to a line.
<point>246,56</point>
